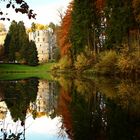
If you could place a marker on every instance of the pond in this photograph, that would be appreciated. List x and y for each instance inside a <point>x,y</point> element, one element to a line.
<point>68,108</point>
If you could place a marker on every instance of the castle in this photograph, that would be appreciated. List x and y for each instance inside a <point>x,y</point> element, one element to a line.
<point>45,41</point>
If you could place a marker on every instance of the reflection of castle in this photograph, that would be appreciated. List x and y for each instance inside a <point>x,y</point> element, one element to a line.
<point>3,110</point>
<point>45,101</point>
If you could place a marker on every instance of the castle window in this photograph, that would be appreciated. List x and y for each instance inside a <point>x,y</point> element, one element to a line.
<point>43,39</point>
<point>38,39</point>
<point>38,33</point>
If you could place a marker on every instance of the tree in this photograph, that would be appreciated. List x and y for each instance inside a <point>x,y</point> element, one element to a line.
<point>23,43</point>
<point>12,41</point>
<point>120,20</point>
<point>33,27</point>
<point>19,6</point>
<point>52,26</point>
<point>32,54</point>
<point>85,25</point>
<point>17,46</point>
<point>63,33</point>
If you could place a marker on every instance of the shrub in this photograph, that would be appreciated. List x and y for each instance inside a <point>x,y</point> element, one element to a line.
<point>84,61</point>
<point>65,62</point>
<point>107,62</point>
<point>129,63</point>
<point>81,61</point>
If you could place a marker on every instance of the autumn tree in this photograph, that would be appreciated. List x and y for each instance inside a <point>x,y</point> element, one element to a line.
<point>63,33</point>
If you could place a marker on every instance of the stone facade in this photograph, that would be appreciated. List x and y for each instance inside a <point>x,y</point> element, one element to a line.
<point>45,42</point>
<point>2,37</point>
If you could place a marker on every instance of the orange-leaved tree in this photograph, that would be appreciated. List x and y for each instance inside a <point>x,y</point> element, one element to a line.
<point>63,32</point>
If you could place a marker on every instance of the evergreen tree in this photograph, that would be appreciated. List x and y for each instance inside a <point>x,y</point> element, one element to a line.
<point>32,54</point>
<point>17,46</point>
<point>6,45</point>
<point>23,42</point>
<point>120,20</point>
<point>11,43</point>
<point>85,25</point>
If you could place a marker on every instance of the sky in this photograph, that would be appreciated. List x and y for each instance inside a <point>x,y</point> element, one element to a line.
<point>47,11</point>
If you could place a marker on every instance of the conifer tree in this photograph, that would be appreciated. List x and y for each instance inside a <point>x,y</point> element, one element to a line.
<point>32,54</point>
<point>119,17</point>
<point>85,25</point>
<point>17,46</point>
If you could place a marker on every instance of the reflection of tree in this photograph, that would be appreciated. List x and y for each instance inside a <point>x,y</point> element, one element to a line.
<point>87,113</point>
<point>18,95</point>
<point>100,109</point>
<point>122,104</point>
<point>63,106</point>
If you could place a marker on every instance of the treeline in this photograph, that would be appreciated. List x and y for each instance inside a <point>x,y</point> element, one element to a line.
<point>17,47</point>
<point>103,35</point>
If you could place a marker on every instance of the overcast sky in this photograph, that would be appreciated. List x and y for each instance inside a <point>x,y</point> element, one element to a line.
<point>46,11</point>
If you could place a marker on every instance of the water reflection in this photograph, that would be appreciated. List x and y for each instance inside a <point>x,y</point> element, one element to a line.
<point>70,108</point>
<point>27,110</point>
<point>100,109</point>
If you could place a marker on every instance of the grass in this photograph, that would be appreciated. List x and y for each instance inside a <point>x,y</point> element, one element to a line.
<point>17,68</point>
<point>17,71</point>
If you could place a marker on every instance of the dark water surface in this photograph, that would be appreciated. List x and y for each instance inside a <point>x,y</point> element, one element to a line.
<point>70,109</point>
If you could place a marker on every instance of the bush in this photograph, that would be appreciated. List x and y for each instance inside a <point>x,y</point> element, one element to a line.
<point>107,62</point>
<point>84,61</point>
<point>65,63</point>
<point>129,63</point>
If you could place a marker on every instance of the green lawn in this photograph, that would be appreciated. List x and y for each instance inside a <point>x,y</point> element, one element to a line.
<point>17,68</point>
<point>17,71</point>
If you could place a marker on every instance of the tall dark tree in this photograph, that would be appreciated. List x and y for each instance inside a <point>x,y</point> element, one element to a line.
<point>32,54</point>
<point>6,45</point>
<point>23,43</point>
<point>120,20</point>
<point>17,46</point>
<point>11,41</point>
<point>84,25</point>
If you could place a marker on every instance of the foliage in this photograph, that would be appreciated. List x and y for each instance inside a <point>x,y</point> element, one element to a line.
<point>107,62</point>
<point>136,10</point>
<point>85,24</point>
<point>17,45</point>
<point>57,54</point>
<point>118,13</point>
<point>63,33</point>
<point>19,6</point>
<point>84,60</point>
<point>101,25</point>
<point>20,93</point>
<point>37,26</point>
<point>65,62</point>
<point>32,59</point>
<point>129,62</point>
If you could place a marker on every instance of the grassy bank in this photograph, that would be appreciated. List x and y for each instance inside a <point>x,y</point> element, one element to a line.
<point>17,71</point>
<point>17,68</point>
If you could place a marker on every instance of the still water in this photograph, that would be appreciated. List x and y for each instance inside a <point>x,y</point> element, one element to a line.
<point>70,109</point>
